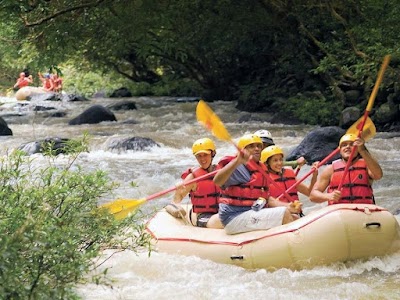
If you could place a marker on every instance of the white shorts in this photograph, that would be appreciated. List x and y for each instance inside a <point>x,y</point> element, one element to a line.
<point>256,220</point>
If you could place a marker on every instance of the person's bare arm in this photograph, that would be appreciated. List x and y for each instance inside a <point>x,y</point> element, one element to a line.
<point>223,174</point>
<point>182,189</point>
<point>303,188</point>
<point>318,194</point>
<point>374,169</point>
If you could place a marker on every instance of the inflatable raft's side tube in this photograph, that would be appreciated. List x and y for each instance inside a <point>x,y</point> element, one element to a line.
<point>333,234</point>
<point>26,91</point>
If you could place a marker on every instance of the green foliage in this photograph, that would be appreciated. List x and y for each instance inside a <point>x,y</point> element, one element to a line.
<point>221,46</point>
<point>314,111</point>
<point>52,229</point>
<point>86,82</point>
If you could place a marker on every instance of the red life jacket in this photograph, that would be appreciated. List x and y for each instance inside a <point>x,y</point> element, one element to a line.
<point>283,181</point>
<point>246,193</point>
<point>205,198</point>
<point>23,82</point>
<point>356,187</point>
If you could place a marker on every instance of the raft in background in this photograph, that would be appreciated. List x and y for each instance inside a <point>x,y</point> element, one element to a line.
<point>335,233</point>
<point>27,91</point>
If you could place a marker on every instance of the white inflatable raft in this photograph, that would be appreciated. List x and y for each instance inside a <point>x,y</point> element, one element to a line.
<point>26,91</point>
<point>336,233</point>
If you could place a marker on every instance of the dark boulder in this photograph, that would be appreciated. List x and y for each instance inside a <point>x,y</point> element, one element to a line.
<point>318,144</point>
<point>123,105</point>
<point>4,129</point>
<point>74,98</point>
<point>93,115</point>
<point>50,96</point>
<point>42,108</point>
<point>188,99</point>
<point>134,143</point>
<point>121,93</point>
<point>58,146</point>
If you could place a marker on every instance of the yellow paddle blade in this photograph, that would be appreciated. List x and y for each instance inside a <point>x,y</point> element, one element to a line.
<point>121,208</point>
<point>211,121</point>
<point>369,129</point>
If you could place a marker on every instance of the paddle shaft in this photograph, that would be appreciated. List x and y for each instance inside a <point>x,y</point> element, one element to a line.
<point>205,176</point>
<point>366,113</point>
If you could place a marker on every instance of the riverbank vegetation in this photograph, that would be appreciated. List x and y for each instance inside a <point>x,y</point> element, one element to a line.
<point>265,54</point>
<point>53,232</point>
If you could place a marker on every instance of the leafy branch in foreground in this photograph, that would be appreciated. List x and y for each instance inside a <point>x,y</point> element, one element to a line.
<point>52,230</point>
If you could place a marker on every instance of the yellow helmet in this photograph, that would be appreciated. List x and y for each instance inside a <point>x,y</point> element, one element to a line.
<point>270,151</point>
<point>348,137</point>
<point>248,139</point>
<point>204,145</point>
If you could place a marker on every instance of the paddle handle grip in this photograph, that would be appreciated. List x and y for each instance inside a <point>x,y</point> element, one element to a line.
<point>321,163</point>
<point>202,177</point>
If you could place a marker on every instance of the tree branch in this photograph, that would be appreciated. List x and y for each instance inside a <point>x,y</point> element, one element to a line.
<point>60,12</point>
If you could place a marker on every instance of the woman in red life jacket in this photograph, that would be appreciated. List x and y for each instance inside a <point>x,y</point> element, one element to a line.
<point>357,184</point>
<point>284,177</point>
<point>23,81</point>
<point>203,194</point>
<point>245,202</point>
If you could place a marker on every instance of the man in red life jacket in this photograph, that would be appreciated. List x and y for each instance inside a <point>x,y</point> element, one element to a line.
<point>243,185</point>
<point>357,185</point>
<point>23,81</point>
<point>203,194</point>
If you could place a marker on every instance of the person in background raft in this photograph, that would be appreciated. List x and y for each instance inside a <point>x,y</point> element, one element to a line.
<point>267,140</point>
<point>57,82</point>
<point>23,80</point>
<point>272,157</point>
<point>245,202</point>
<point>47,82</point>
<point>357,185</point>
<point>203,194</point>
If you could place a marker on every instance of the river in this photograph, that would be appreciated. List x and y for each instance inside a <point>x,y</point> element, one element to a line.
<point>174,127</point>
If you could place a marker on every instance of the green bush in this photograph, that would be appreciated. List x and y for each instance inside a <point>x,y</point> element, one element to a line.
<point>52,229</point>
<point>313,111</point>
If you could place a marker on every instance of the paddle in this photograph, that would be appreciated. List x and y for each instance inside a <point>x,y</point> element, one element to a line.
<point>369,132</point>
<point>120,208</point>
<point>371,101</point>
<point>206,116</point>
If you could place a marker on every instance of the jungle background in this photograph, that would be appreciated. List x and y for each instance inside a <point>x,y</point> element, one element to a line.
<point>305,60</point>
